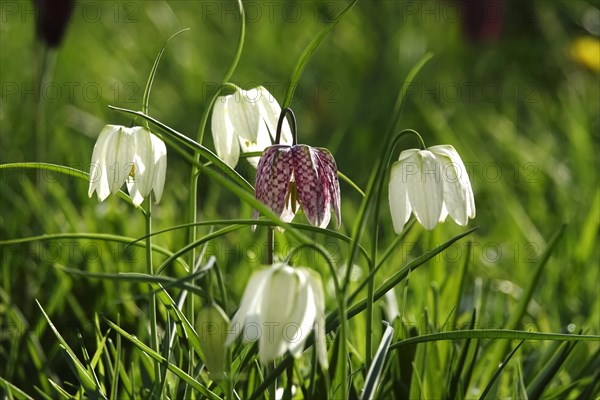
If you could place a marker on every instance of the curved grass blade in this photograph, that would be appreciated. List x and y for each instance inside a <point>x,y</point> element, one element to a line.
<point>157,357</point>
<point>525,299</point>
<point>397,278</point>
<point>495,334</point>
<point>538,385</point>
<point>140,277</point>
<point>61,170</point>
<point>93,236</point>
<point>374,373</point>
<point>90,387</point>
<point>263,222</point>
<point>307,53</point>
<point>193,145</point>
<point>13,391</point>
<point>148,88</point>
<point>499,371</point>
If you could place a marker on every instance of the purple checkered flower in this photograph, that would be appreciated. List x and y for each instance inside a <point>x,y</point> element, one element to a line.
<point>290,175</point>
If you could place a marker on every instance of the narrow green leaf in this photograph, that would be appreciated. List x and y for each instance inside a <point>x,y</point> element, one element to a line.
<point>189,332</point>
<point>458,371</point>
<point>148,88</point>
<point>376,367</point>
<point>518,314</point>
<point>79,369</point>
<point>14,391</point>
<point>60,391</point>
<point>499,371</point>
<point>195,146</point>
<point>398,277</point>
<point>92,236</point>
<point>536,388</point>
<point>140,277</point>
<point>157,357</point>
<point>62,170</point>
<point>307,53</point>
<point>495,334</point>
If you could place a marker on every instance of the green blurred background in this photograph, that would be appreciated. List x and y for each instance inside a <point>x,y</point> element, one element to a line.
<point>515,98</point>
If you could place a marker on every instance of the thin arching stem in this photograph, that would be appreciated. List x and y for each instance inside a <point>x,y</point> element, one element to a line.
<point>284,112</point>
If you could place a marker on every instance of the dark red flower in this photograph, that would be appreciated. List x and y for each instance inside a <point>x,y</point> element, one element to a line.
<point>290,175</point>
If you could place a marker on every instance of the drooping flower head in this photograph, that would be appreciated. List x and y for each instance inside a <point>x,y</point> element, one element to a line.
<point>134,156</point>
<point>246,119</point>
<point>299,175</point>
<point>282,305</point>
<point>432,184</point>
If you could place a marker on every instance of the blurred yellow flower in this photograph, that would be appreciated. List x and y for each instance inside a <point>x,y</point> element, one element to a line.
<point>586,51</point>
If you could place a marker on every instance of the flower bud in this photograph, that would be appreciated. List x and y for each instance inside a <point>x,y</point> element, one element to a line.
<point>212,325</point>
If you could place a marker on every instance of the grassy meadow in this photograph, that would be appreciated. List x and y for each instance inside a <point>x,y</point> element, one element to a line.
<point>509,310</point>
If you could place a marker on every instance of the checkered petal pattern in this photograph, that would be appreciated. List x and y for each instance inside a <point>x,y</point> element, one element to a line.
<point>312,194</point>
<point>315,174</point>
<point>273,175</point>
<point>328,173</point>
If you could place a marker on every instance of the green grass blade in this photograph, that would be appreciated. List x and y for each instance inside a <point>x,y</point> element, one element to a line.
<point>193,145</point>
<point>62,393</point>
<point>146,96</point>
<point>61,170</point>
<point>157,357</point>
<point>453,387</point>
<point>402,274</point>
<point>374,374</point>
<point>13,391</point>
<point>87,382</point>
<point>307,53</point>
<point>140,277</point>
<point>188,332</point>
<point>92,236</point>
<point>526,298</point>
<point>539,384</point>
<point>495,334</point>
<point>499,371</point>
<point>521,308</point>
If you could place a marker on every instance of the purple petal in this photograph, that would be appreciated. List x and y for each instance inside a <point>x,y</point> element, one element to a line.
<point>329,178</point>
<point>311,194</point>
<point>273,175</point>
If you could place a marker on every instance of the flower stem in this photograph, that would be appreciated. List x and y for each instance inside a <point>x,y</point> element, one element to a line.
<point>378,187</point>
<point>284,112</point>
<point>152,303</point>
<point>193,194</point>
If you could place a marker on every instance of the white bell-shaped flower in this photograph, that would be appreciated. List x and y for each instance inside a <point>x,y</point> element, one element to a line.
<point>432,184</point>
<point>246,119</point>
<point>128,155</point>
<point>280,307</point>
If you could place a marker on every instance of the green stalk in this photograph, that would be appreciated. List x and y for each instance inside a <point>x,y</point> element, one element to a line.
<point>152,305</point>
<point>193,197</point>
<point>374,235</point>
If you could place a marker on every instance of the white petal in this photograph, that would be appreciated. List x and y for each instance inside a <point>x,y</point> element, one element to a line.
<point>134,192</point>
<point>263,140</point>
<point>119,158</point>
<point>98,167</point>
<point>426,190</point>
<point>224,137</point>
<point>143,160</point>
<point>300,323</point>
<point>458,194</point>
<point>270,111</point>
<point>249,304</point>
<point>277,305</point>
<point>319,324</point>
<point>160,166</point>
<point>398,198</point>
<point>244,113</point>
